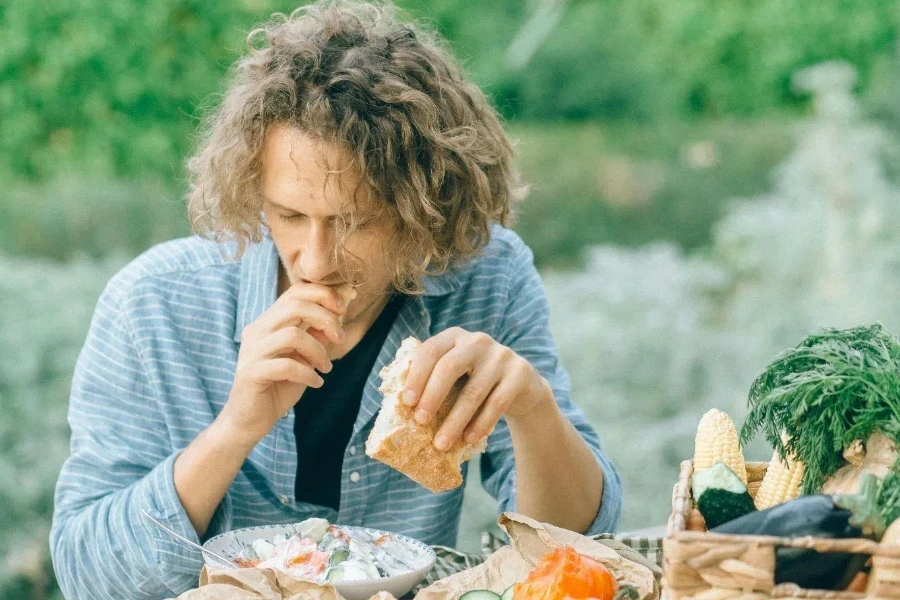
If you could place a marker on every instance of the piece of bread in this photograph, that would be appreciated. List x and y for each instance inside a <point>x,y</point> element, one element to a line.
<point>345,292</point>
<point>399,441</point>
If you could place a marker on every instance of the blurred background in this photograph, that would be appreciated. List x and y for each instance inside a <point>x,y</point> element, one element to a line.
<point>711,181</point>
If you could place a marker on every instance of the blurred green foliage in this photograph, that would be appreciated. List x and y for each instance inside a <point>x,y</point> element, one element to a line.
<point>114,89</point>
<point>591,183</point>
<point>68,217</point>
<point>630,185</point>
<point>110,88</point>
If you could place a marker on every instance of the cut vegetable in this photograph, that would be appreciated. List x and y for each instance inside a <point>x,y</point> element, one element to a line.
<point>627,592</point>
<point>338,556</point>
<point>720,495</point>
<point>717,440</point>
<point>565,574</point>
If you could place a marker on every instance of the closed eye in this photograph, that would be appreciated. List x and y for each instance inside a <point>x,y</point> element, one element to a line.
<point>291,217</point>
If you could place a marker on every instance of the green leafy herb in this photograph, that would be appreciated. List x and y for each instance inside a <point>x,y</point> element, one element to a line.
<point>889,494</point>
<point>836,386</point>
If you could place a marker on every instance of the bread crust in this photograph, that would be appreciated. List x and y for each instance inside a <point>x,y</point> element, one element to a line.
<point>408,446</point>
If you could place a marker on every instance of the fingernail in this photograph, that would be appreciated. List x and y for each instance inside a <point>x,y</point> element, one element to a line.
<point>409,398</point>
<point>442,443</point>
<point>422,416</point>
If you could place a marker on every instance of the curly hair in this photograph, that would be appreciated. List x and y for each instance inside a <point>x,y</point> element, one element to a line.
<point>424,141</point>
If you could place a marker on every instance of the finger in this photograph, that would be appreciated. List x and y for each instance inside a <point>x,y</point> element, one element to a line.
<point>451,366</point>
<point>423,363</point>
<point>326,296</point>
<point>296,340</point>
<point>496,405</point>
<point>473,395</point>
<point>297,312</point>
<point>286,369</point>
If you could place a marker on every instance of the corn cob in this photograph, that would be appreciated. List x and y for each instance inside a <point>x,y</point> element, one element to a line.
<point>717,440</point>
<point>781,482</point>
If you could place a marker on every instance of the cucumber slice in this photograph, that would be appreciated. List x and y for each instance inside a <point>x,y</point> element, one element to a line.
<point>720,495</point>
<point>628,592</point>
<point>480,595</point>
<point>338,556</point>
<point>508,593</point>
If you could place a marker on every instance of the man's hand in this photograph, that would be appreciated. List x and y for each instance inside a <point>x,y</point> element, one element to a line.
<point>279,356</point>
<point>500,383</point>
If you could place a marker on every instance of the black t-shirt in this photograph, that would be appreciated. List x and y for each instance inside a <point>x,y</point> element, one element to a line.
<point>324,416</point>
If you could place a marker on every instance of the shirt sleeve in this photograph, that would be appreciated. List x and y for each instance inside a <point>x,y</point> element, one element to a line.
<point>121,464</point>
<point>525,328</point>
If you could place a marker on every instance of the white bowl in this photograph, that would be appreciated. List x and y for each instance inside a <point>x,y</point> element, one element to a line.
<point>230,545</point>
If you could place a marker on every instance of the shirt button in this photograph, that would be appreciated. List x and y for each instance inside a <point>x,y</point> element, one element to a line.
<point>353,450</point>
<point>285,500</point>
<point>354,477</point>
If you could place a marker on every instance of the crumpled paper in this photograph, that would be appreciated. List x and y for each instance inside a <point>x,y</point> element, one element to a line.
<point>529,542</point>
<point>260,584</point>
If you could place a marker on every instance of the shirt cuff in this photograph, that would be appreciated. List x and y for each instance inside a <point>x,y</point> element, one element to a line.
<point>610,513</point>
<point>179,564</point>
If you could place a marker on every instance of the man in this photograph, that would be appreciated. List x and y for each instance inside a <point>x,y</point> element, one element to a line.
<point>226,382</point>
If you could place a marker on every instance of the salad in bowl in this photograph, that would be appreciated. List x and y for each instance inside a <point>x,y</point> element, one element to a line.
<point>358,561</point>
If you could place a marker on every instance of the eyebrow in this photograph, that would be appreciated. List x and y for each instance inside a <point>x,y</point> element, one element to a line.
<point>281,206</point>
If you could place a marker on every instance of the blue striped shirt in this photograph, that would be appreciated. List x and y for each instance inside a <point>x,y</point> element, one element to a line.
<point>158,365</point>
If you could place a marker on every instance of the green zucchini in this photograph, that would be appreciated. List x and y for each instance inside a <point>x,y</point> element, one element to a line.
<point>720,495</point>
<point>508,593</point>
<point>480,595</point>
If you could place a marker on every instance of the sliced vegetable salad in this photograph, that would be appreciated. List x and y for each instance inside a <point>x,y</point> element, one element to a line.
<point>322,552</point>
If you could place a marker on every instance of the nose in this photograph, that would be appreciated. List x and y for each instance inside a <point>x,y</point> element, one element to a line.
<point>317,260</point>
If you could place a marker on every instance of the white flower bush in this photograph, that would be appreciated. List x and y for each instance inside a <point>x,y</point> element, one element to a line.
<point>653,338</point>
<point>46,308</point>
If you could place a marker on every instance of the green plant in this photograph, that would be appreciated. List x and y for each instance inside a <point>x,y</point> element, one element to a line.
<point>835,387</point>
<point>46,308</point>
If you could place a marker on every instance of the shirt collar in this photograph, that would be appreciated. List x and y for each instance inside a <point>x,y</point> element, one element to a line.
<point>259,283</point>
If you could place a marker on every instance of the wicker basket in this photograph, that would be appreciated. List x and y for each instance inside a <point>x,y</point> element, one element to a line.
<point>698,565</point>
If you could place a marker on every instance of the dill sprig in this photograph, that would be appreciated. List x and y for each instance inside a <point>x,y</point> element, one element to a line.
<point>836,386</point>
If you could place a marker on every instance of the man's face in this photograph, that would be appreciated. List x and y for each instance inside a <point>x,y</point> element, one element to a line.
<point>303,202</point>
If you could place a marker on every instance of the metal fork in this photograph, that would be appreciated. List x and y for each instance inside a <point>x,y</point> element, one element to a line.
<point>184,540</point>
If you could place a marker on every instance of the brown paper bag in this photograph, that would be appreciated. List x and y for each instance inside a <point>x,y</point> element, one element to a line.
<point>260,584</point>
<point>530,541</point>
